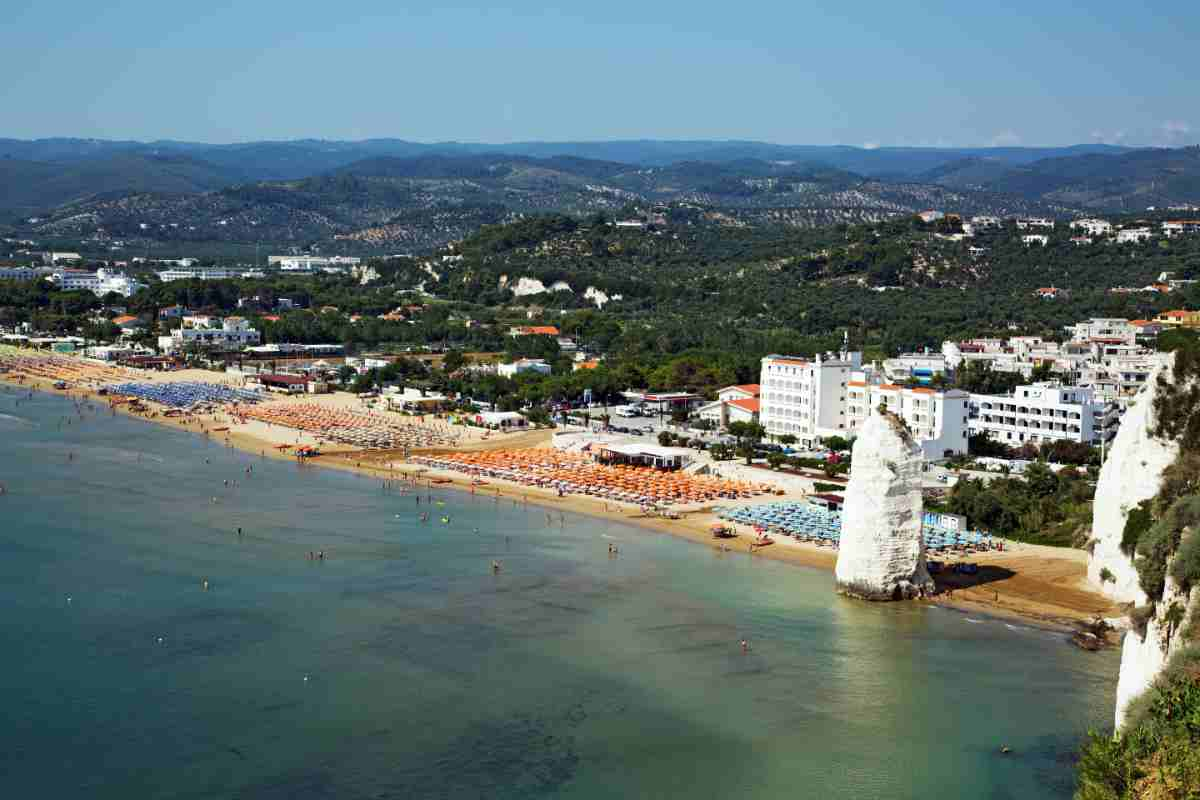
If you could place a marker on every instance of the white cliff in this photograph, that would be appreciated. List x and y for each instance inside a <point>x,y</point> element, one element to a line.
<point>882,552</point>
<point>1131,473</point>
<point>1144,656</point>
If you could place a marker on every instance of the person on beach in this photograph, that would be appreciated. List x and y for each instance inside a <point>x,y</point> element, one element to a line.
<point>745,646</point>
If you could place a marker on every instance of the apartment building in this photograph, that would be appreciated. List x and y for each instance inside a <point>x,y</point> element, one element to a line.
<point>1104,329</point>
<point>100,282</point>
<point>1043,412</point>
<point>1093,227</point>
<point>1032,223</point>
<point>201,331</point>
<point>1129,235</point>
<point>805,398</point>
<point>938,420</point>
<point>313,263</point>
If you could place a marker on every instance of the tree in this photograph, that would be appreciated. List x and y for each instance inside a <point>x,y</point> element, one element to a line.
<point>453,361</point>
<point>837,443</point>
<point>788,439</point>
<point>747,431</point>
<point>665,438</point>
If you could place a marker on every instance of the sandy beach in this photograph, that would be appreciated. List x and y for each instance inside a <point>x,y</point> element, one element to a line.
<point>1045,585</point>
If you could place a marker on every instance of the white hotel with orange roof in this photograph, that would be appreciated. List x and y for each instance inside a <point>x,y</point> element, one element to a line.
<point>831,396</point>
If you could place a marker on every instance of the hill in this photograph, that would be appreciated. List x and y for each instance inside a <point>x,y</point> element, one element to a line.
<point>419,203</point>
<point>1104,182</point>
<point>31,186</point>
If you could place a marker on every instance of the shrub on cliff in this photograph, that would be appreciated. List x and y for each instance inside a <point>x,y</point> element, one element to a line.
<point>1157,755</point>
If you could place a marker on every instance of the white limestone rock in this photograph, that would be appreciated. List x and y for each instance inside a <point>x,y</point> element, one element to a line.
<point>1131,473</point>
<point>882,551</point>
<point>1143,657</point>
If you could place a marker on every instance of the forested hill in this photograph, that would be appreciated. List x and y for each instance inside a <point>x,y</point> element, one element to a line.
<point>1127,181</point>
<point>895,283</point>
<point>415,204</point>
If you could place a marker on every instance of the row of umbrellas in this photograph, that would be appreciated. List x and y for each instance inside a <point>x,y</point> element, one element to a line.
<point>185,394</point>
<point>808,521</point>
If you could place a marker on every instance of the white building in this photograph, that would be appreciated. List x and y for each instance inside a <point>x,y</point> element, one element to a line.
<point>523,365</point>
<point>209,332</point>
<point>1134,235</point>
<point>938,420</point>
<point>1043,223</point>
<point>1093,227</point>
<point>1043,412</point>
<point>1035,238</point>
<point>199,273</point>
<point>54,258</point>
<point>314,263</point>
<point>1104,329</point>
<point>100,282</point>
<point>733,404</point>
<point>980,223</point>
<point>21,273</point>
<point>1178,226</point>
<point>805,398</point>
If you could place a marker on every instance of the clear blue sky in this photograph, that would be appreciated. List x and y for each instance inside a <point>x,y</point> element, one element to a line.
<point>890,73</point>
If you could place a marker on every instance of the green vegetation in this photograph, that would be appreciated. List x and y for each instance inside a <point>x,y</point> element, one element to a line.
<point>1157,755</point>
<point>1042,507</point>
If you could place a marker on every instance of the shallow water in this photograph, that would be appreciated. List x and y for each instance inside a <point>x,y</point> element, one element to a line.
<point>400,667</point>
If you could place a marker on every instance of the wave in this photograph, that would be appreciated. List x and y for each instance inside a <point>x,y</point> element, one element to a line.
<point>973,621</point>
<point>18,420</point>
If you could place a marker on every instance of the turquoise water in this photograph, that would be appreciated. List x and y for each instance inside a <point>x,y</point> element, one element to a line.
<point>401,667</point>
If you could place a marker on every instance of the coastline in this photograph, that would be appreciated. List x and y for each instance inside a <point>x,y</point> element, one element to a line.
<point>1031,583</point>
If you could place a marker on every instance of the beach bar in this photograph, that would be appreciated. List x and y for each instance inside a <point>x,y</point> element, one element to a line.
<point>645,455</point>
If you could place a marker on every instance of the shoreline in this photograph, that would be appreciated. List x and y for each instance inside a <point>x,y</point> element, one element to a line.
<point>1032,583</point>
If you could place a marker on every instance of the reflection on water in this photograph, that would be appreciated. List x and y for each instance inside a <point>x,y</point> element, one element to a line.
<point>399,666</point>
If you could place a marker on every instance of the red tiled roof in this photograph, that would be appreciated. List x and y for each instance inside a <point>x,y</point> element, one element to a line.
<point>856,383</point>
<point>924,390</point>
<point>890,387</point>
<point>747,404</point>
<point>750,388</point>
<point>123,319</point>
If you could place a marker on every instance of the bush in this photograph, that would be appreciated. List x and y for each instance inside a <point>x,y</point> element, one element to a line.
<point>1157,545</point>
<point>1136,524</point>
<point>1106,575</point>
<point>1140,618</point>
<point>828,487</point>
<point>1185,568</point>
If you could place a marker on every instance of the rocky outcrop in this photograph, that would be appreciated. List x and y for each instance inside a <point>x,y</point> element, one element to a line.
<point>882,551</point>
<point>1145,653</point>
<point>1131,473</point>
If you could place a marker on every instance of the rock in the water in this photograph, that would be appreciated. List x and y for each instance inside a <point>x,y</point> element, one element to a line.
<point>882,551</point>
<point>1131,473</point>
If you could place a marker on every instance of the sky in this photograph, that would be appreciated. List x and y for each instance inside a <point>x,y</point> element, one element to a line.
<point>866,74</point>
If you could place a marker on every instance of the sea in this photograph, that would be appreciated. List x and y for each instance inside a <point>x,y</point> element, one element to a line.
<point>150,651</point>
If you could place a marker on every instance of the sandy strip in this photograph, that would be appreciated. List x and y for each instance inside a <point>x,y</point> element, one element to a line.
<point>1046,585</point>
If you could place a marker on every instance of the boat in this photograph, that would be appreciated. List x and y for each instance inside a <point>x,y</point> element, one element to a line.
<point>722,532</point>
<point>440,480</point>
